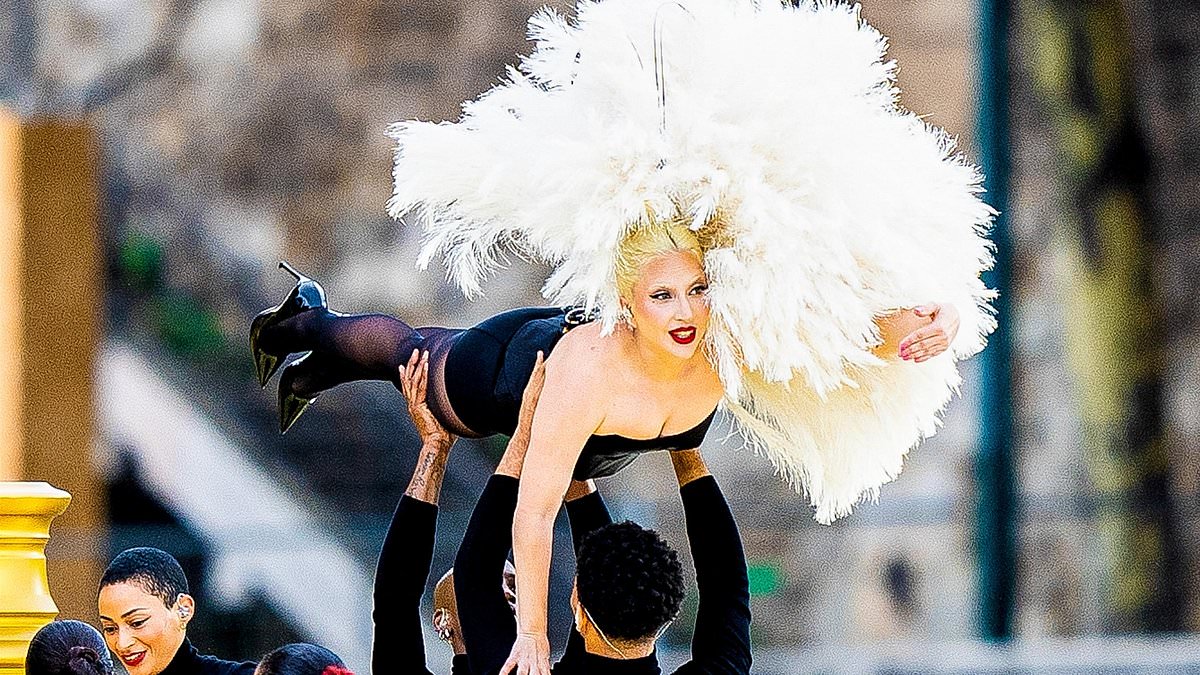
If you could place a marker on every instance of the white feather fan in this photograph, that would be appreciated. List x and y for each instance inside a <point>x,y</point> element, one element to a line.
<point>840,205</point>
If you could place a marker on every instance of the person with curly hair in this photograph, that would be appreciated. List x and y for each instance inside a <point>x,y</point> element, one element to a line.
<point>67,648</point>
<point>145,608</point>
<point>628,579</point>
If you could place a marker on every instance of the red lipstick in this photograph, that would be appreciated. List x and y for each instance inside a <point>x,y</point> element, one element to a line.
<point>133,661</point>
<point>685,335</point>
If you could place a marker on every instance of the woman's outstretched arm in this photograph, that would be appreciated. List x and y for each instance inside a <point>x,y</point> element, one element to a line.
<point>569,411</point>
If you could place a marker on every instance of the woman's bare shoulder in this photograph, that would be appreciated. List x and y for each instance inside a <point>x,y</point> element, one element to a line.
<point>584,349</point>
<point>586,359</point>
<point>575,391</point>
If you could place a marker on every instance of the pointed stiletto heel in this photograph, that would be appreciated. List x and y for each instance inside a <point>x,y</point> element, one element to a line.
<point>305,295</point>
<point>291,404</point>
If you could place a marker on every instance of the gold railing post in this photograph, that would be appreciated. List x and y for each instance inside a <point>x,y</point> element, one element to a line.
<point>26,510</point>
<point>51,281</point>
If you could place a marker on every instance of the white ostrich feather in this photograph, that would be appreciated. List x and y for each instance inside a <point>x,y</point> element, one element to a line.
<point>839,206</point>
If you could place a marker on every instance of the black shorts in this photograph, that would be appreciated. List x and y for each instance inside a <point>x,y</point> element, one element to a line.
<point>489,365</point>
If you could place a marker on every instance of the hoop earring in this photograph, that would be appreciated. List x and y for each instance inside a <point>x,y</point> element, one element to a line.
<point>441,624</point>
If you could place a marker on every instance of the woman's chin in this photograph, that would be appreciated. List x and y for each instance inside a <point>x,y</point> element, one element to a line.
<point>682,351</point>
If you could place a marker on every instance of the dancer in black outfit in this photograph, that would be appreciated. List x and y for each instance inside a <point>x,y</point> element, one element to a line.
<point>397,645</point>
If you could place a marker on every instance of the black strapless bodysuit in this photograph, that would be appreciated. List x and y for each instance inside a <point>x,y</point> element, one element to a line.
<point>489,365</point>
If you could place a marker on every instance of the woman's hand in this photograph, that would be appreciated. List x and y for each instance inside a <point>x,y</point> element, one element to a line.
<point>530,656</point>
<point>414,377</point>
<point>929,341</point>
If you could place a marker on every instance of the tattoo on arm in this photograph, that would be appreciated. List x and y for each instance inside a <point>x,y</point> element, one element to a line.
<point>426,483</point>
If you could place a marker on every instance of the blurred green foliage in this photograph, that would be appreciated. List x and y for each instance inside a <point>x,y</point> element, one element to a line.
<point>140,262</point>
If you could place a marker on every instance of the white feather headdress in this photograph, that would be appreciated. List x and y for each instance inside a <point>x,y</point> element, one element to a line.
<point>837,206</point>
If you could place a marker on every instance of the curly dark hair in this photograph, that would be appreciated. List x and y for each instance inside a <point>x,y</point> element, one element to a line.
<point>629,580</point>
<point>154,570</point>
<point>68,648</point>
<point>301,658</point>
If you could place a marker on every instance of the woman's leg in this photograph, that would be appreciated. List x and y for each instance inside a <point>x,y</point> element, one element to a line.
<point>375,346</point>
<point>348,348</point>
<point>483,369</point>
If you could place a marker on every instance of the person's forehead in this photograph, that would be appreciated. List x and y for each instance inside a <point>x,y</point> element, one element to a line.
<point>680,266</point>
<point>122,596</point>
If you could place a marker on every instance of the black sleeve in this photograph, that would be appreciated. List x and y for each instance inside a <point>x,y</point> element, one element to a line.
<point>488,625</point>
<point>586,514</point>
<point>400,579</point>
<point>721,641</point>
<point>574,658</point>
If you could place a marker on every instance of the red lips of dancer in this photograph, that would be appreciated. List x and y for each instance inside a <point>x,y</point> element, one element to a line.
<point>685,335</point>
<point>134,659</point>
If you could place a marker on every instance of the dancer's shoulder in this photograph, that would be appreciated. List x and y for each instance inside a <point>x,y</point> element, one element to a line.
<point>586,347</point>
<point>584,361</point>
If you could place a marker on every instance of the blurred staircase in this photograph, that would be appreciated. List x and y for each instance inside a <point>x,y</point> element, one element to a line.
<point>263,541</point>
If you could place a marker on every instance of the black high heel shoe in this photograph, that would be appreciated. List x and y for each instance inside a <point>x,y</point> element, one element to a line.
<point>305,295</point>
<point>291,404</point>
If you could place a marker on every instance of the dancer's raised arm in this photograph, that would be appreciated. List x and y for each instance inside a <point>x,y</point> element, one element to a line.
<point>405,558</point>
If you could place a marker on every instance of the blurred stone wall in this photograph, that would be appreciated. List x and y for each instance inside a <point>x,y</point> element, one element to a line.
<point>1168,57</point>
<point>247,132</point>
<point>1107,314</point>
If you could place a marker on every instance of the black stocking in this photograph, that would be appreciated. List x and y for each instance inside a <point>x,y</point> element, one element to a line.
<point>362,347</point>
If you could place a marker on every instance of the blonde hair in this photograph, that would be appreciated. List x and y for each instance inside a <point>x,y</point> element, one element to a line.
<point>644,243</point>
